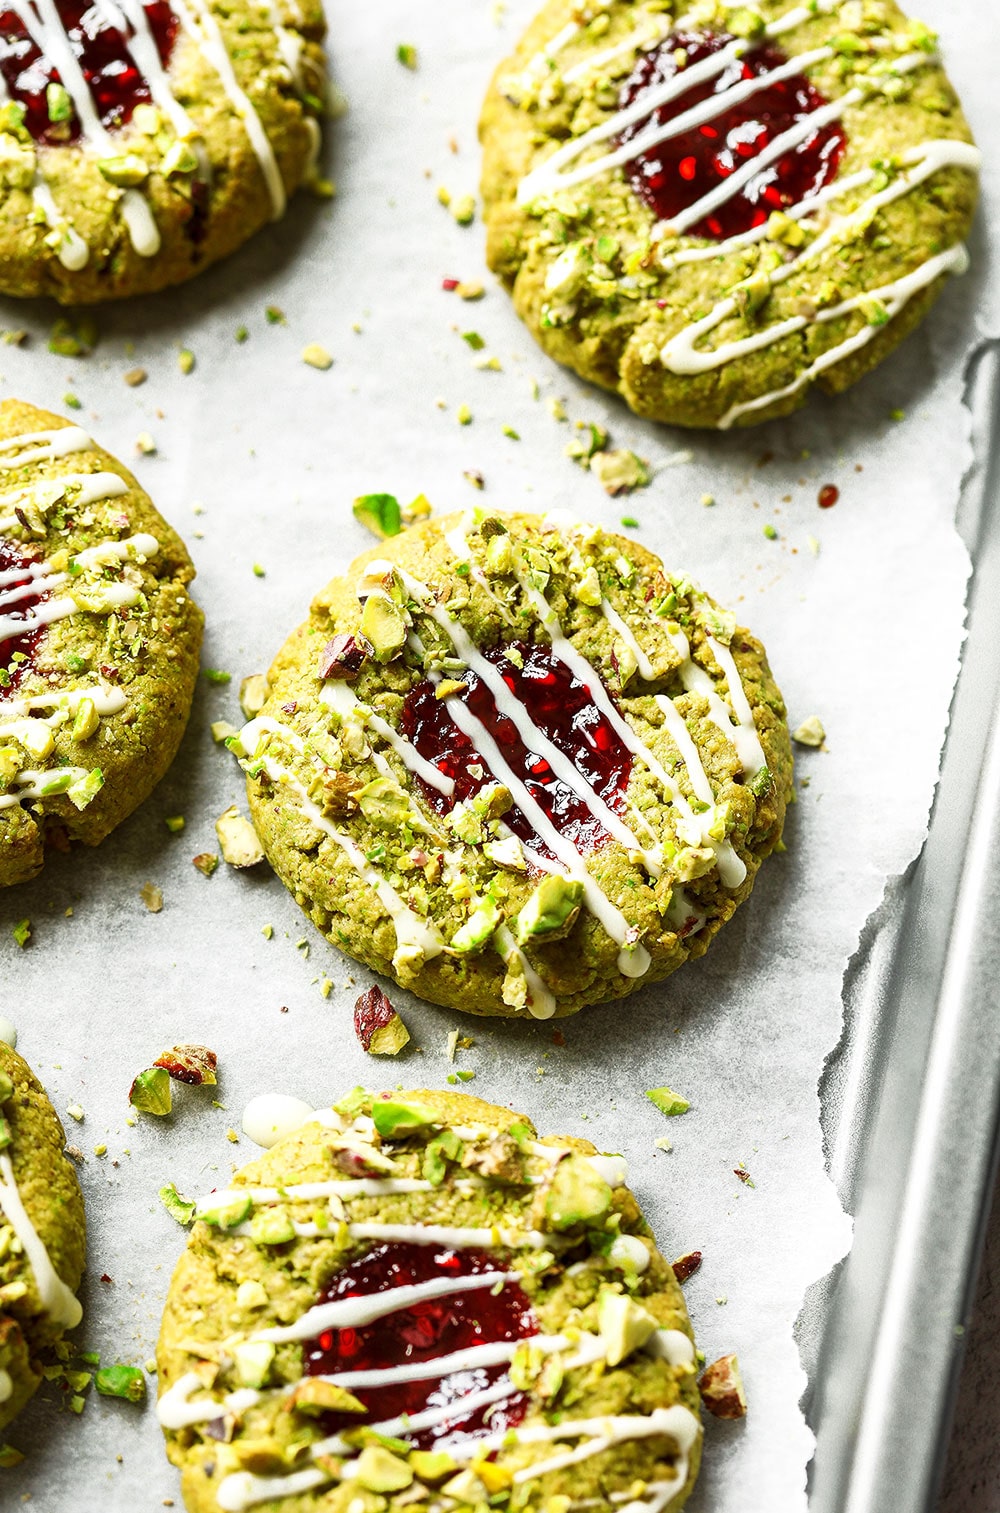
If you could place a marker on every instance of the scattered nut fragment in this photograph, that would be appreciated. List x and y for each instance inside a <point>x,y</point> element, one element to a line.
<point>206,862</point>
<point>222,731</point>
<point>150,1091</point>
<point>253,694</point>
<point>136,376</point>
<point>619,472</point>
<point>343,657</point>
<point>470,289</point>
<point>152,897</point>
<point>667,1102</point>
<point>145,444</point>
<point>377,1025</point>
<point>193,1064</point>
<point>686,1265</point>
<point>238,839</point>
<point>721,1388</point>
<point>810,732</point>
<point>315,356</point>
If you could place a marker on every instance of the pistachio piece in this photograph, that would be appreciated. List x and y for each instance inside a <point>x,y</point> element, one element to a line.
<point>381,1471</point>
<point>721,1388</point>
<point>272,1226</point>
<point>226,1214</point>
<point>150,1091</point>
<point>551,909</point>
<point>810,732</point>
<point>383,626</point>
<point>84,790</point>
<point>253,694</point>
<point>238,840</point>
<point>393,1118</point>
<point>620,471</point>
<point>313,1395</point>
<point>126,1382</point>
<point>432,1465</point>
<point>383,803</point>
<point>380,513</point>
<point>377,1025</point>
<point>576,1195</point>
<point>623,1325</point>
<point>478,928</point>
<point>343,657</point>
<point>126,170</point>
<point>252,1360</point>
<point>667,1101</point>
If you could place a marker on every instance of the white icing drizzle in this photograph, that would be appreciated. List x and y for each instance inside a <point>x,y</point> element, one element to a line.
<point>540,1000</point>
<point>73,252</point>
<point>201,24</point>
<point>129,16</point>
<point>681,354</point>
<point>137,547</point>
<point>741,731</point>
<point>548,176</point>
<point>455,1238</point>
<point>355,1313</point>
<point>633,959</point>
<point>415,936</point>
<point>895,296</point>
<point>61,1305</point>
<point>340,696</point>
<point>42,446</point>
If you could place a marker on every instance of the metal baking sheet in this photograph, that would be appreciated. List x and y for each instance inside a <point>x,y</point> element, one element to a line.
<point>258,458</point>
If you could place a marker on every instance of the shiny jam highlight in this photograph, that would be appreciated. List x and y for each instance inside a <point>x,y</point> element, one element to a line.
<point>562,709</point>
<point>101,49</point>
<point>17,599</point>
<point>674,175</point>
<point>424,1332</point>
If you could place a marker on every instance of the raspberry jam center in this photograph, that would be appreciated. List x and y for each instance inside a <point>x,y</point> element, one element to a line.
<point>562,709</point>
<point>102,50</point>
<point>425,1332</point>
<point>16,651</point>
<point>677,173</point>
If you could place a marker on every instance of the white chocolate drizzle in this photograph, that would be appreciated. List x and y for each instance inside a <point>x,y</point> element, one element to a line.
<point>416,938</point>
<point>540,1000</point>
<point>61,1305</point>
<point>354,1313</point>
<point>340,696</point>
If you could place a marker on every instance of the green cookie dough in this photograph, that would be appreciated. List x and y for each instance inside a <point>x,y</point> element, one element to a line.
<point>93,703</point>
<point>452,904</point>
<point>450,1175</point>
<point>703,333</point>
<point>226,132</point>
<point>42,1233</point>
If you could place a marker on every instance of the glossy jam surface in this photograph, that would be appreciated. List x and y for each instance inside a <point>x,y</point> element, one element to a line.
<point>16,652</point>
<point>562,709</point>
<point>102,50</point>
<point>438,1327</point>
<point>675,174</point>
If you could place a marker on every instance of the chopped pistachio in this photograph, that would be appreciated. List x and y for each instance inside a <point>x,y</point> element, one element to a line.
<point>315,356</point>
<point>177,1207</point>
<point>22,933</point>
<point>464,209</point>
<point>621,471</point>
<point>206,862</point>
<point>238,840</point>
<point>253,694</point>
<point>125,169</point>
<point>227,1215</point>
<point>470,290</point>
<point>136,376</point>
<point>126,1382</point>
<point>252,1359</point>
<point>576,1194</point>
<point>274,315</point>
<point>394,1119</point>
<point>770,532</point>
<point>222,731</point>
<point>667,1102</point>
<point>383,626</point>
<point>72,401</point>
<point>151,1093</point>
<point>216,675</point>
<point>58,102</point>
<point>186,360</point>
<point>380,513</point>
<point>551,908</point>
<point>86,720</point>
<point>464,415</point>
<point>406,54</point>
<point>174,823</point>
<point>178,159</point>
<point>152,897</point>
<point>474,340</point>
<point>623,1325</point>
<point>145,444</point>
<point>810,732</point>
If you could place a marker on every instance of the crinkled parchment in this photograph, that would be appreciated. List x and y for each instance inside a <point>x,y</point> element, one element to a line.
<point>258,459</point>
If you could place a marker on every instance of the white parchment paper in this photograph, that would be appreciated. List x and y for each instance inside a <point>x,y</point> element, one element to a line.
<point>258,459</point>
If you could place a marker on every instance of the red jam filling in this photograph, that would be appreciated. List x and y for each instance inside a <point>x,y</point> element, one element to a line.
<point>102,51</point>
<point>426,1331</point>
<point>16,652</point>
<point>562,709</point>
<point>677,173</point>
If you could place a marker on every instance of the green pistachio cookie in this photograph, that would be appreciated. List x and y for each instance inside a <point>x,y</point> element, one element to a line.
<point>710,208</point>
<point>411,1299</point>
<point>145,142</point>
<point>516,765</point>
<point>42,1233</point>
<point>99,640</point>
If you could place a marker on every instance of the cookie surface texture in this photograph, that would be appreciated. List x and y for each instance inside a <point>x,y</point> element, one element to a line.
<point>41,1209</point>
<point>493,1307</point>
<point>99,640</point>
<point>711,208</point>
<point>138,145</point>
<point>517,766</point>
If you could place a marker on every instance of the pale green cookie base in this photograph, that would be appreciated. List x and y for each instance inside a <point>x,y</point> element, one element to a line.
<point>609,340</point>
<point>157,669</point>
<point>581,968</point>
<point>201,1307</point>
<point>239,203</point>
<point>51,1195</point>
